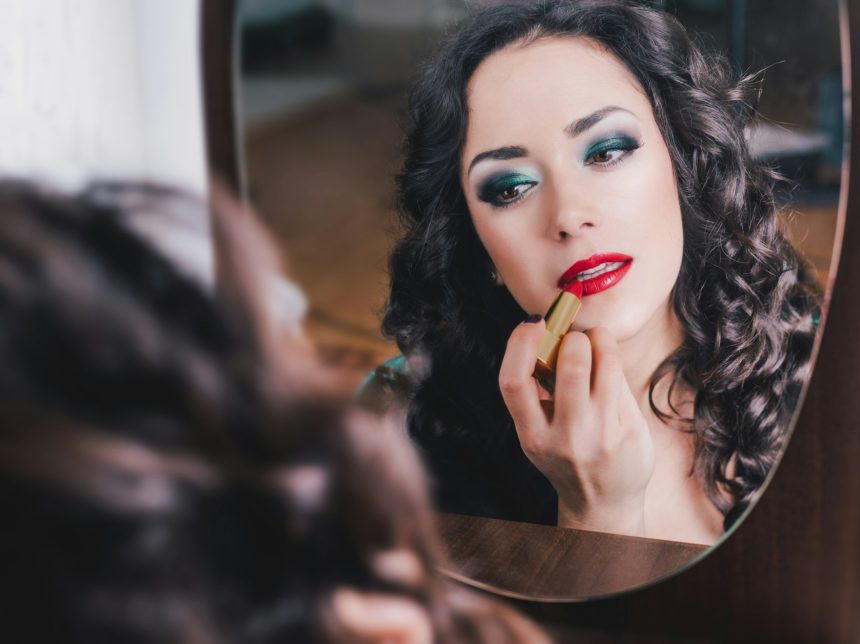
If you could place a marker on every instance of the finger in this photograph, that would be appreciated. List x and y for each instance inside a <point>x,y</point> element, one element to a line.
<point>572,379</point>
<point>519,389</point>
<point>376,617</point>
<point>607,372</point>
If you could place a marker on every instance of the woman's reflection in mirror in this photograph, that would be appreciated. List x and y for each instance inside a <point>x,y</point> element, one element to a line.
<point>546,134</point>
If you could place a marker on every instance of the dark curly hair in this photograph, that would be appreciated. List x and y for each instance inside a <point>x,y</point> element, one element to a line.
<point>748,303</point>
<point>161,476</point>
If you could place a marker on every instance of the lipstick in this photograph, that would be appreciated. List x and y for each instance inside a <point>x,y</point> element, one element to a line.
<point>559,319</point>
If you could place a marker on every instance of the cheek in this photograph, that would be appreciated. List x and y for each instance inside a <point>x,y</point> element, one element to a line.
<point>509,244</point>
<point>668,234</point>
<point>670,208</point>
<point>497,234</point>
<point>489,237</point>
<point>654,193</point>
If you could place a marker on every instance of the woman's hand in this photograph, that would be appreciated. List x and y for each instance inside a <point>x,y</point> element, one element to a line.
<point>596,447</point>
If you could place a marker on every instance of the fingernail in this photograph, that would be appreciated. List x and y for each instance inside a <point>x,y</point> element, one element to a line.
<point>534,317</point>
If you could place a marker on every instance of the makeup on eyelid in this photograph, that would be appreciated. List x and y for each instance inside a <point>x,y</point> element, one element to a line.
<point>492,189</point>
<point>500,182</point>
<point>623,143</point>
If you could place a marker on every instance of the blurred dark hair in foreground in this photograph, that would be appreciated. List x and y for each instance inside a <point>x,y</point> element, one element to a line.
<point>173,467</point>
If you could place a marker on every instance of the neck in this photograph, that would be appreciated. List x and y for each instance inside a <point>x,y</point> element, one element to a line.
<point>643,353</point>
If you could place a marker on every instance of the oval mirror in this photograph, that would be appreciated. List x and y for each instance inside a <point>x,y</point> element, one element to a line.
<point>323,102</point>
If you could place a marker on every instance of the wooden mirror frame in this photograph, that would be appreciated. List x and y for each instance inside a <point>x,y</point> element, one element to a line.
<point>219,72</point>
<point>791,569</point>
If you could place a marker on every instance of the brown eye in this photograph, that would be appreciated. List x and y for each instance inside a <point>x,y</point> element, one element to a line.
<point>506,190</point>
<point>611,151</point>
<point>508,194</point>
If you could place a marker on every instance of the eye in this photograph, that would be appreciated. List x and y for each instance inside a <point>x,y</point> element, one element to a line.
<point>611,151</point>
<point>513,193</point>
<point>605,156</point>
<point>505,190</point>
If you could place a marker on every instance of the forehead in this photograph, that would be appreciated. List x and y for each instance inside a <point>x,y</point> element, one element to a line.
<point>554,79</point>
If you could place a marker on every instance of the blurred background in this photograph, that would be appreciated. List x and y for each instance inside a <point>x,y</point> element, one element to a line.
<point>323,87</point>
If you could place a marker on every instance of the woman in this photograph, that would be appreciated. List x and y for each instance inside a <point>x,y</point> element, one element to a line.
<point>164,477</point>
<point>548,134</point>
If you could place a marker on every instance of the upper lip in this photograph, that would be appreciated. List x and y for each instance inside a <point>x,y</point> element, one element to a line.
<point>587,264</point>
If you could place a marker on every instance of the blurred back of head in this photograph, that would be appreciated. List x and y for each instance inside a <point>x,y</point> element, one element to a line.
<point>174,468</point>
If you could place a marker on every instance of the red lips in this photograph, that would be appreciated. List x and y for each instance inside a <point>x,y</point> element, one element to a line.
<point>602,281</point>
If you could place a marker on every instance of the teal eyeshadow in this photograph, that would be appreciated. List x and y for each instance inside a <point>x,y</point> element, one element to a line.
<point>501,182</point>
<point>612,143</point>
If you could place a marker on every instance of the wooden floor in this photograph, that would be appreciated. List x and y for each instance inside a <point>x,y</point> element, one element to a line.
<point>323,180</point>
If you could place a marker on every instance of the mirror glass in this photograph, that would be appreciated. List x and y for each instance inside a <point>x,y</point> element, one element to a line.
<point>323,106</point>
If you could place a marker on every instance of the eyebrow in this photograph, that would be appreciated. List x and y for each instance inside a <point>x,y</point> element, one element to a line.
<point>574,128</point>
<point>579,126</point>
<point>507,152</point>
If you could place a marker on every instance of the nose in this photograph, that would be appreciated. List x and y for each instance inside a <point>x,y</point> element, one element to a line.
<point>571,211</point>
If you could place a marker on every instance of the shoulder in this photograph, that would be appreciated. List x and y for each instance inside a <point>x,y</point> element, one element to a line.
<point>387,370</point>
<point>388,386</point>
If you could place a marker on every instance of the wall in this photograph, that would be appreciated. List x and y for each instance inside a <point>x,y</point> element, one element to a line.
<point>108,89</point>
<point>101,88</point>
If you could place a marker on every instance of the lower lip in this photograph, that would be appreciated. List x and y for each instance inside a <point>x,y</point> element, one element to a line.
<point>605,280</point>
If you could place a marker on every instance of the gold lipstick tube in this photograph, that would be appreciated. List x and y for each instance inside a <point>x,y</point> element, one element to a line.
<point>559,319</point>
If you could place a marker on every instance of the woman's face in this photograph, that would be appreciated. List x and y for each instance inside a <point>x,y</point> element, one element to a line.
<point>563,161</point>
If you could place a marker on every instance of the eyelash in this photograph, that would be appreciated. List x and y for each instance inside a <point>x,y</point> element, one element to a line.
<point>491,195</point>
<point>620,143</point>
<point>625,144</point>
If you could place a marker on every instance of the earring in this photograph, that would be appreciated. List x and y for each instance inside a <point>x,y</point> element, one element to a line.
<point>494,277</point>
